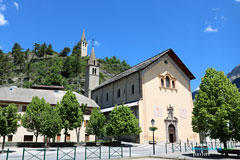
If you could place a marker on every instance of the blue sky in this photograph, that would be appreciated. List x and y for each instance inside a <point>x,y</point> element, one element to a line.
<point>203,33</point>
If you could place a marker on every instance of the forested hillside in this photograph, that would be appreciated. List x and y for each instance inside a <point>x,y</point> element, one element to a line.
<point>44,66</point>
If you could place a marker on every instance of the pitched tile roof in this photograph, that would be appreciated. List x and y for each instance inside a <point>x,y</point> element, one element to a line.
<point>148,62</point>
<point>25,95</point>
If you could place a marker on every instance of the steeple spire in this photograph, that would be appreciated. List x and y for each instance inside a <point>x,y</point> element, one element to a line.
<point>92,60</point>
<point>83,38</point>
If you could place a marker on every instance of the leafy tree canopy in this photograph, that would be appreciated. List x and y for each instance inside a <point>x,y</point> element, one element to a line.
<point>217,107</point>
<point>32,117</point>
<point>51,123</point>
<point>9,118</point>
<point>70,112</point>
<point>96,123</point>
<point>122,122</point>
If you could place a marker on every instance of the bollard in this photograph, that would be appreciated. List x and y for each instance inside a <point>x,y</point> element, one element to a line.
<point>130,154</point>
<point>180,147</point>
<point>166,147</point>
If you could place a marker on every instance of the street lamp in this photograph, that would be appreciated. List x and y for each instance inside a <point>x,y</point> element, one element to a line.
<point>153,129</point>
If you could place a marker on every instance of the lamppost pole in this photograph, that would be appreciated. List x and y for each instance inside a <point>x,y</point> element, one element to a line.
<point>153,144</point>
<point>153,129</point>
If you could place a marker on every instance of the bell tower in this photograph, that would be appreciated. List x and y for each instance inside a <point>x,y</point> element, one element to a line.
<point>84,45</point>
<point>92,73</point>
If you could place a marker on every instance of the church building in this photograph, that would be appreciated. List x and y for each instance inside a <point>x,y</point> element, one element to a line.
<point>157,88</point>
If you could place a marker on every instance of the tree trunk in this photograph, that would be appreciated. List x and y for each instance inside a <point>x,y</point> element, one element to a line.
<point>65,138</point>
<point>36,138</point>
<point>3,143</point>
<point>225,147</point>
<point>78,134</point>
<point>48,143</point>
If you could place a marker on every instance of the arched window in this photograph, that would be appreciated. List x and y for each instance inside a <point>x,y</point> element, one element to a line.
<point>162,83</point>
<point>118,93</point>
<point>173,84</point>
<point>93,70</point>
<point>107,97</point>
<point>133,89</point>
<point>94,62</point>
<point>167,82</point>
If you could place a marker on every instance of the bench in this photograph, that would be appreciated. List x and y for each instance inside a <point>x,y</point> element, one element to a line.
<point>229,151</point>
<point>201,151</point>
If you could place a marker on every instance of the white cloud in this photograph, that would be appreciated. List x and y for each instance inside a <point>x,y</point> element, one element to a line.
<point>215,9</point>
<point>210,29</point>
<point>2,7</point>
<point>237,0</point>
<point>16,5</point>
<point>96,43</point>
<point>197,89</point>
<point>3,21</point>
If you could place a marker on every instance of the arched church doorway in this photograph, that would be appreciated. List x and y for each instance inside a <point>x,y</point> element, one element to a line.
<point>172,133</point>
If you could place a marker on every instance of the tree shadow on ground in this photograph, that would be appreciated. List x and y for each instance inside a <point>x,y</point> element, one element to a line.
<point>5,151</point>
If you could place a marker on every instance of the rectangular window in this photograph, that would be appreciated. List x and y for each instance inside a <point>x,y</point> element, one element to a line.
<point>118,93</point>
<point>85,123</point>
<point>10,137</point>
<point>107,97</point>
<point>58,137</point>
<point>28,138</point>
<point>68,137</point>
<point>86,138</point>
<point>88,112</point>
<point>133,89</point>
<point>24,108</point>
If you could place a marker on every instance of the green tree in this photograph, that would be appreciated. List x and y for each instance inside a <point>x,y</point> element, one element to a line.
<point>217,108</point>
<point>54,76</point>
<point>9,118</point>
<point>43,50</point>
<point>67,70</point>
<point>32,117</point>
<point>70,112</point>
<point>78,123</point>
<point>51,123</point>
<point>49,50</point>
<point>96,123</point>
<point>76,53</point>
<point>65,52</point>
<point>18,55</point>
<point>122,122</point>
<point>5,66</point>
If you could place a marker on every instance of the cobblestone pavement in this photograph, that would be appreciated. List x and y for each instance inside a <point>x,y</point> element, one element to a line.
<point>138,151</point>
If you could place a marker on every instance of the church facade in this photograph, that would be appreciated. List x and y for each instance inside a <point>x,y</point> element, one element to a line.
<point>158,88</point>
